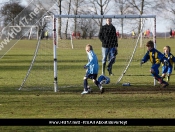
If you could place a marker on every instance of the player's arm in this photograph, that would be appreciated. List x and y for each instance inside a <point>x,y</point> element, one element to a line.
<point>145,58</point>
<point>91,59</point>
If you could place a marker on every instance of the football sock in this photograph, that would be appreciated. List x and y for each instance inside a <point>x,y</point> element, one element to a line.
<point>85,84</point>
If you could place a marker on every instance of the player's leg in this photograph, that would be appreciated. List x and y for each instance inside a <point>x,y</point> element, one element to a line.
<point>164,71</point>
<point>169,73</point>
<point>94,79</point>
<point>85,83</point>
<point>105,52</point>
<point>155,72</point>
<point>111,62</point>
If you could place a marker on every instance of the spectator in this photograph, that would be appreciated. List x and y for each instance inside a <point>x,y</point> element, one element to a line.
<point>78,35</point>
<point>46,34</point>
<point>170,32</point>
<point>107,36</point>
<point>73,35</point>
<point>148,33</point>
<point>173,33</point>
<point>133,34</point>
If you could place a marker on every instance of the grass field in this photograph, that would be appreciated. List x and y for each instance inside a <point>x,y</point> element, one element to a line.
<point>37,99</point>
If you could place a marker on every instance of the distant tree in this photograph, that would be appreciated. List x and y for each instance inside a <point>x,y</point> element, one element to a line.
<point>9,11</point>
<point>167,9</point>
<point>99,7</point>
<point>59,19</point>
<point>140,7</point>
<point>76,7</point>
<point>121,7</point>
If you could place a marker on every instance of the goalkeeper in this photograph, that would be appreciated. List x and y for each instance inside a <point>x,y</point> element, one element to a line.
<point>91,70</point>
<point>167,69</point>
<point>155,58</point>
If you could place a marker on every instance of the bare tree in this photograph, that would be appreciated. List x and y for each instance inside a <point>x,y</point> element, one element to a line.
<point>100,7</point>
<point>59,20</point>
<point>167,10</point>
<point>140,7</point>
<point>76,7</point>
<point>67,9</point>
<point>10,10</point>
<point>122,6</point>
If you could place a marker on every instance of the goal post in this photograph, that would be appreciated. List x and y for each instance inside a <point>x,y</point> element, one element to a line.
<point>97,17</point>
<point>57,65</point>
<point>28,31</point>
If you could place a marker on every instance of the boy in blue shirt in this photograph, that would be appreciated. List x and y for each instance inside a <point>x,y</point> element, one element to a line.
<point>91,70</point>
<point>155,58</point>
<point>167,69</point>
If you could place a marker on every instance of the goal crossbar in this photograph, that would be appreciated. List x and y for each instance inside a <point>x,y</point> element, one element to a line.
<point>105,16</point>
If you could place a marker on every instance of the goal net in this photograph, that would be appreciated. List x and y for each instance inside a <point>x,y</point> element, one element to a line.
<point>57,64</point>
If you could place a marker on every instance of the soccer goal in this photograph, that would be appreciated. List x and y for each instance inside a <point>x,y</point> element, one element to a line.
<point>58,63</point>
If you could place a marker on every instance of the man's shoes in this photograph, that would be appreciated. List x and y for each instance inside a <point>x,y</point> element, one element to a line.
<point>164,84</point>
<point>85,92</point>
<point>111,74</point>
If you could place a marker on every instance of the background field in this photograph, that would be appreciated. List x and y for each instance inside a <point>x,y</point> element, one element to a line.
<point>37,99</point>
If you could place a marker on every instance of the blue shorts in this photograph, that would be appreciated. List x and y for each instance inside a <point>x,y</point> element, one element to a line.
<point>167,69</point>
<point>91,76</point>
<point>155,67</point>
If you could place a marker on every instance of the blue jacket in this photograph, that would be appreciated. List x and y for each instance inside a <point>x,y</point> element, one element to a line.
<point>92,65</point>
<point>155,56</point>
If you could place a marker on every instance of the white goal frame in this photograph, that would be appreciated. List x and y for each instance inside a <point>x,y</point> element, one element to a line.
<point>93,17</point>
<point>30,30</point>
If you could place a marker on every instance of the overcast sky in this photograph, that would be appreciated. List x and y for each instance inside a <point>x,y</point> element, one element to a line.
<point>161,24</point>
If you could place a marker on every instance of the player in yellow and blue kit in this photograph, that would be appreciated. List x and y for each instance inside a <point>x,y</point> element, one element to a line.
<point>167,69</point>
<point>155,57</point>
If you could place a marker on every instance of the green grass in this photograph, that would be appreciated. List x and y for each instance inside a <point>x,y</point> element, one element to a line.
<point>141,100</point>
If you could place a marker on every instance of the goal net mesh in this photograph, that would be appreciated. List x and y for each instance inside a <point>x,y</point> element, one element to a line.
<point>71,55</point>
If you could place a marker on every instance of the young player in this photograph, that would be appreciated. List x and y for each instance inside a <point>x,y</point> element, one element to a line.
<point>91,70</point>
<point>167,69</point>
<point>155,58</point>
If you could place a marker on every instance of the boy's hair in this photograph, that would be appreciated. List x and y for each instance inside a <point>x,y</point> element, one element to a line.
<point>89,47</point>
<point>167,47</point>
<point>150,44</point>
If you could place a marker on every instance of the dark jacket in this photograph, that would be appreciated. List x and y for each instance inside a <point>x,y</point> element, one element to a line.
<point>108,36</point>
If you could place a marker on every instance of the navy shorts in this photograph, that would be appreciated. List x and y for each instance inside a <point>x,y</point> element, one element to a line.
<point>91,76</point>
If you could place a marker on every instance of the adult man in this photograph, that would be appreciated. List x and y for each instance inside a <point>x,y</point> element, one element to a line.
<point>107,36</point>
